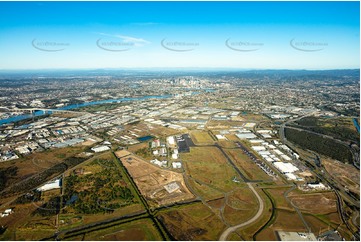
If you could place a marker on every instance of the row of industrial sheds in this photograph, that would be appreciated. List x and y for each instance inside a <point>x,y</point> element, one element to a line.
<point>270,152</point>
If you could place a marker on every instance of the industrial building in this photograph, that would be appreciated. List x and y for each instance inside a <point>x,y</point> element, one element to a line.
<point>316,186</point>
<point>100,148</point>
<point>157,162</point>
<point>177,165</point>
<point>258,148</point>
<point>285,167</point>
<point>171,140</point>
<point>247,135</point>
<point>55,184</point>
<point>296,236</point>
<point>249,125</point>
<point>256,141</point>
<point>220,137</point>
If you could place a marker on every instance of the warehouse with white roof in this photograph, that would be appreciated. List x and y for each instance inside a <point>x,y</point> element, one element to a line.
<point>285,167</point>
<point>246,135</point>
<point>50,185</point>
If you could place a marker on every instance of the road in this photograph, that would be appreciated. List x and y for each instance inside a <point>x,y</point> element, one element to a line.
<point>230,230</point>
<point>244,178</point>
<point>322,135</point>
<point>341,197</point>
<point>239,172</point>
<point>295,207</point>
<point>282,127</point>
<point>352,148</point>
<point>43,109</point>
<point>325,176</point>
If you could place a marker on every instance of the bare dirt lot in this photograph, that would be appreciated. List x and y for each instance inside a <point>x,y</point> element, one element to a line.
<point>157,185</point>
<point>319,203</point>
<point>346,174</point>
<point>160,131</point>
<point>122,153</point>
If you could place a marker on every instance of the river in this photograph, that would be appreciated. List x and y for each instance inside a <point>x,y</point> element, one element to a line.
<point>74,106</point>
<point>356,124</point>
<point>85,104</point>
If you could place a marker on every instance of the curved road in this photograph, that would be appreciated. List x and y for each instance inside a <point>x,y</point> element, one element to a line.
<point>229,230</point>
<point>355,152</point>
<point>295,207</point>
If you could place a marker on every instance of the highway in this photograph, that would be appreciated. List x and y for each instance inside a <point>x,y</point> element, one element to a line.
<point>323,174</point>
<point>282,127</point>
<point>42,109</point>
<point>326,177</point>
<point>353,149</point>
<point>230,230</point>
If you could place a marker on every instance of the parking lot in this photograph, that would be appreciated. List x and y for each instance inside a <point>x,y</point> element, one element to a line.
<point>184,142</point>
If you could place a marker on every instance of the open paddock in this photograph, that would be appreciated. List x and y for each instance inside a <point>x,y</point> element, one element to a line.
<point>246,165</point>
<point>284,220</point>
<point>242,199</point>
<point>318,225</point>
<point>248,232</point>
<point>278,196</point>
<point>33,234</point>
<point>204,190</point>
<point>201,137</point>
<point>161,131</point>
<point>236,216</point>
<point>71,220</point>
<point>216,203</point>
<point>209,166</point>
<point>317,203</point>
<point>139,230</point>
<point>192,222</point>
<point>346,174</point>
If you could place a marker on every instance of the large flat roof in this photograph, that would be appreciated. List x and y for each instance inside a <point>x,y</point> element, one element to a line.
<point>296,236</point>
<point>285,167</point>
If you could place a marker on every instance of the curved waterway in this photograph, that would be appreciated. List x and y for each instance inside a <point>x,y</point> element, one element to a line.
<point>80,105</point>
<point>356,124</point>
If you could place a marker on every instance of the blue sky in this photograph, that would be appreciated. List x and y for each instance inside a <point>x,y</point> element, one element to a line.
<point>260,35</point>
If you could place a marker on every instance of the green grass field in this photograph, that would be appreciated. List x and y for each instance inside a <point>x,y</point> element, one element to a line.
<point>248,232</point>
<point>209,166</point>
<point>192,222</point>
<point>201,137</point>
<point>33,234</point>
<point>139,230</point>
<point>246,165</point>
